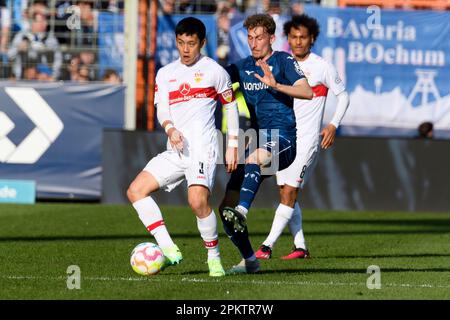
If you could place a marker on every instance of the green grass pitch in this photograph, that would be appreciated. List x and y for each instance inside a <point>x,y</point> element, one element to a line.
<point>39,242</point>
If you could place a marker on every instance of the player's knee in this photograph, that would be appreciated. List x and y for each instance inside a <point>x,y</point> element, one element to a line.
<point>288,196</point>
<point>199,205</point>
<point>134,193</point>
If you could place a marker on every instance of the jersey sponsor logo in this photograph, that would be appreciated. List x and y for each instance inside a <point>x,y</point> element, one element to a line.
<point>320,90</point>
<point>227,96</point>
<point>251,86</point>
<point>185,88</point>
<point>192,93</point>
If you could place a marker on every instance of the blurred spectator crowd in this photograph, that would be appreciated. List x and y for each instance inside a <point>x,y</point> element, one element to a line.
<point>53,40</point>
<point>58,40</point>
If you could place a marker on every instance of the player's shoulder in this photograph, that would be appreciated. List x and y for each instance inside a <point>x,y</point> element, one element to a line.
<point>244,62</point>
<point>211,64</point>
<point>283,56</point>
<point>169,68</point>
<point>319,61</point>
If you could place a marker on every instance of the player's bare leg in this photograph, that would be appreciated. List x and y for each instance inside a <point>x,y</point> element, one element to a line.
<point>198,198</point>
<point>150,214</point>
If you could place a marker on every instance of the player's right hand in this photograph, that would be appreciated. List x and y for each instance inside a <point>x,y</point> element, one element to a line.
<point>231,158</point>
<point>176,139</point>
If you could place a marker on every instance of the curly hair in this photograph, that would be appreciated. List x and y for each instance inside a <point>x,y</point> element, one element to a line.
<point>305,21</point>
<point>261,20</point>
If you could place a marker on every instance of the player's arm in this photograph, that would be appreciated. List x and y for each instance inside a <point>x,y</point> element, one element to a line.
<point>329,132</point>
<point>334,82</point>
<point>299,90</point>
<point>228,100</point>
<point>163,114</point>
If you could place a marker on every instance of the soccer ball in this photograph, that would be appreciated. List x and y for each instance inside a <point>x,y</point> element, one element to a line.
<point>147,259</point>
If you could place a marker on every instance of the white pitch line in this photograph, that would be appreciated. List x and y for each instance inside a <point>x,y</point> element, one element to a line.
<point>260,282</point>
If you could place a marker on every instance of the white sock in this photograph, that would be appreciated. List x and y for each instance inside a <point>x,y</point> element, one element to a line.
<point>151,217</point>
<point>242,210</point>
<point>208,231</point>
<point>282,216</point>
<point>295,227</point>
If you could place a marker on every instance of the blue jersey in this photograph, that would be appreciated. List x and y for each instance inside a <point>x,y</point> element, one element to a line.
<point>273,109</point>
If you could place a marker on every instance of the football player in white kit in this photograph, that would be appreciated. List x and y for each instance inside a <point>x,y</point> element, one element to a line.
<point>186,97</point>
<point>302,31</point>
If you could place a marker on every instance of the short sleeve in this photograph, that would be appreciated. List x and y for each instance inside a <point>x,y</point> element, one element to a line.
<point>224,87</point>
<point>333,81</point>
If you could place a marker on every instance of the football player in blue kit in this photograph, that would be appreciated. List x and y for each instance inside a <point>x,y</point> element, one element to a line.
<point>269,81</point>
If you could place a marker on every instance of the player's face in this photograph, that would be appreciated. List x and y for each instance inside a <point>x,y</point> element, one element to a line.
<point>300,42</point>
<point>189,48</point>
<point>260,42</point>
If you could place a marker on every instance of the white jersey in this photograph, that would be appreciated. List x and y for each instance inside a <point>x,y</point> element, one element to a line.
<point>321,76</point>
<point>191,94</point>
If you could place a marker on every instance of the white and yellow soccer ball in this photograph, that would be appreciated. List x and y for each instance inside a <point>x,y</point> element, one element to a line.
<point>147,259</point>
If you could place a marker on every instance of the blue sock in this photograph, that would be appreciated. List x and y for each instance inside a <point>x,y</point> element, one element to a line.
<point>250,186</point>
<point>240,239</point>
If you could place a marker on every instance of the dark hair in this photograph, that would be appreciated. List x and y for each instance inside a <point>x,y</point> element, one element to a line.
<point>425,129</point>
<point>303,20</point>
<point>261,20</point>
<point>191,26</point>
<point>108,73</point>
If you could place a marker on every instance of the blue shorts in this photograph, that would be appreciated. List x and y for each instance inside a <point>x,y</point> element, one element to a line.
<point>283,149</point>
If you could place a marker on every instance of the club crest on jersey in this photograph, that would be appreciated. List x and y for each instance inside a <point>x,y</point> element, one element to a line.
<point>198,76</point>
<point>185,88</point>
<point>227,95</point>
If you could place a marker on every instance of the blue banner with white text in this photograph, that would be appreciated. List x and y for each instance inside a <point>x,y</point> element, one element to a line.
<point>52,134</point>
<point>395,64</point>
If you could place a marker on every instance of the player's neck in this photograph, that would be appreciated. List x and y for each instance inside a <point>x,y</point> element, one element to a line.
<point>304,57</point>
<point>267,56</point>
<point>194,61</point>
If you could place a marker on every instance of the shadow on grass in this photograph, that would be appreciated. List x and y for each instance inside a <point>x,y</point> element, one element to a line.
<point>392,255</point>
<point>351,270</point>
<point>196,235</point>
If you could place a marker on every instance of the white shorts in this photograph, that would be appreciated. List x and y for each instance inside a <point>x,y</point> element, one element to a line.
<point>301,169</point>
<point>170,169</point>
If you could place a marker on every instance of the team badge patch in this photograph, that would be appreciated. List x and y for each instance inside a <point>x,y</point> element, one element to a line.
<point>227,95</point>
<point>198,76</point>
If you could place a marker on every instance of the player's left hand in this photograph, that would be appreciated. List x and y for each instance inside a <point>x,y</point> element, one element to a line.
<point>268,78</point>
<point>328,134</point>
<point>231,159</point>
